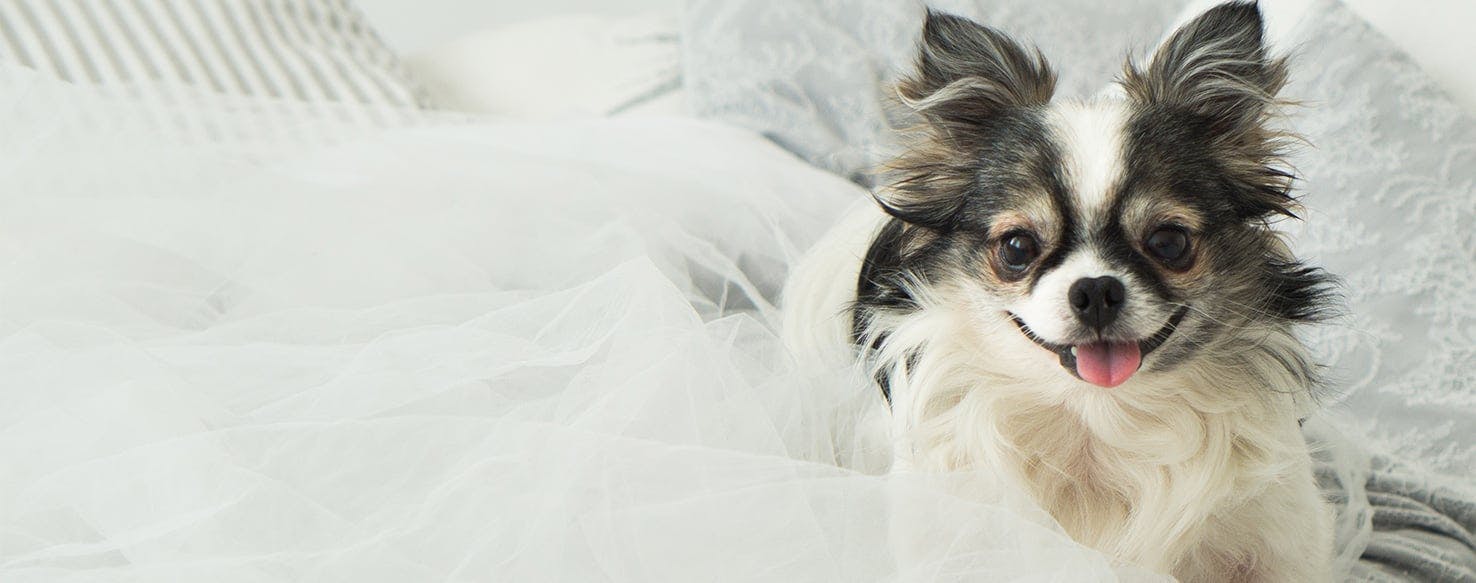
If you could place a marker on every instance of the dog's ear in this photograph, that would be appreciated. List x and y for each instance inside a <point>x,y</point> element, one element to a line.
<point>965,70</point>
<point>1215,66</point>
<point>1217,70</point>
<point>967,75</point>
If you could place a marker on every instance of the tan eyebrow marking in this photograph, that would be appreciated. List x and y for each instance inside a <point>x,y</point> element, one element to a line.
<point>1035,213</point>
<point>1144,212</point>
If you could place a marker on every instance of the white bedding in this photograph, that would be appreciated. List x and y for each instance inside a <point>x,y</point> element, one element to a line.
<point>469,352</point>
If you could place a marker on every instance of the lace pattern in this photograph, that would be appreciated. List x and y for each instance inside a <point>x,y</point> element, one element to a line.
<point>1389,185</point>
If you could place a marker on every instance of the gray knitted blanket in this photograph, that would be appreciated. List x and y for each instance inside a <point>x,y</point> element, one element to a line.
<point>1420,532</point>
<point>1395,523</point>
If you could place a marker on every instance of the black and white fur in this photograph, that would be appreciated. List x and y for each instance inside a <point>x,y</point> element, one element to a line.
<point>1194,465</point>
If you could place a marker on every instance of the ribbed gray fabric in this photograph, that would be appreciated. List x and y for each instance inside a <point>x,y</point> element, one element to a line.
<point>302,50</point>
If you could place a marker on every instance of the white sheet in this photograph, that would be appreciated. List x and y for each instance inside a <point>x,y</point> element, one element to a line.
<point>484,352</point>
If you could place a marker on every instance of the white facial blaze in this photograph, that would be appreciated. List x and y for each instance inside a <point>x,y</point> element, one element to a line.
<point>1090,137</point>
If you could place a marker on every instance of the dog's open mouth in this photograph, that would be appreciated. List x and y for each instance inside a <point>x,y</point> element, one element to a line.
<point>1106,363</point>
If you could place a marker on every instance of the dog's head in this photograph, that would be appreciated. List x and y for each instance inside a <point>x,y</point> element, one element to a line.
<point>1116,234</point>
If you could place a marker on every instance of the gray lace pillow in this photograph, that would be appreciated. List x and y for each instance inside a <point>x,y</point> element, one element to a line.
<point>810,74</point>
<point>1390,194</point>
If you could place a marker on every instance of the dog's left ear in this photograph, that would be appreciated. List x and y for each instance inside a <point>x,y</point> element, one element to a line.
<point>1215,66</point>
<point>1216,69</point>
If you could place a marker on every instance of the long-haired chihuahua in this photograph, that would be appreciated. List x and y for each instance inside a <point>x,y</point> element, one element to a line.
<point>1088,298</point>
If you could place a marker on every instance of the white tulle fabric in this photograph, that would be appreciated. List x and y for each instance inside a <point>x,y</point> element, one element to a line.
<point>461,351</point>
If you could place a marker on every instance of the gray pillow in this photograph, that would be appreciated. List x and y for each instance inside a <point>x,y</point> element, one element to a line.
<point>812,74</point>
<point>1389,185</point>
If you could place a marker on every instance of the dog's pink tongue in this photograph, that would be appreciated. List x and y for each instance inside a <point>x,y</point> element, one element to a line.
<point>1107,364</point>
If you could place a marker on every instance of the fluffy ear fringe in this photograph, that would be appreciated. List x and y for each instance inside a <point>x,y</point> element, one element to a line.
<point>1217,67</point>
<point>966,68</point>
<point>966,73</point>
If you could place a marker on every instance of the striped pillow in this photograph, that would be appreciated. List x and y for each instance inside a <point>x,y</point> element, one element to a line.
<point>299,50</point>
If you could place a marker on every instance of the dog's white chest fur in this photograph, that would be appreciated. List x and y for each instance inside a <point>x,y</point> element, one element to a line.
<point>1165,486</point>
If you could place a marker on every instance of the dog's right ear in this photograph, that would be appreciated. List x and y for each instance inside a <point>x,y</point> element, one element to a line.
<point>965,70</point>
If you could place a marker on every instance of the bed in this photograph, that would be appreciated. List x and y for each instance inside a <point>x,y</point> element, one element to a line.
<point>292,292</point>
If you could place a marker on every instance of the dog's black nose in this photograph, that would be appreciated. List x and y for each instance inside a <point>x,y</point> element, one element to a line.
<point>1097,300</point>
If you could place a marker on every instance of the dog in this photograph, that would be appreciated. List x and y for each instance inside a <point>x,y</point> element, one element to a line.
<point>1089,298</point>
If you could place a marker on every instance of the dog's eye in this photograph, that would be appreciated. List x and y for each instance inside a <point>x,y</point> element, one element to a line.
<point>1017,250</point>
<point>1170,244</point>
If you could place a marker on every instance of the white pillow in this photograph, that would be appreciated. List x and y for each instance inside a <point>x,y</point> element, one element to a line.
<point>560,66</point>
